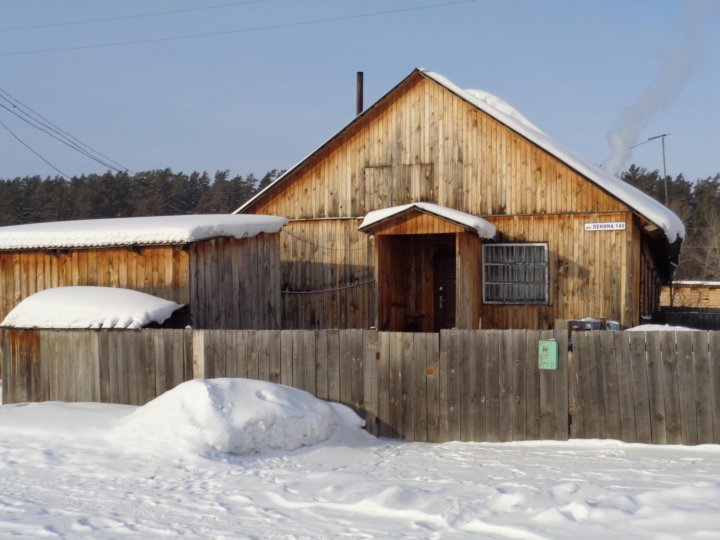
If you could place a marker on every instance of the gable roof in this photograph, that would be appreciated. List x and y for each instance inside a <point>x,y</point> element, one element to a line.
<point>644,205</point>
<point>483,228</point>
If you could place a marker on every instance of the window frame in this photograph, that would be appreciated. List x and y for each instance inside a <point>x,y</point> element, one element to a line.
<point>485,283</point>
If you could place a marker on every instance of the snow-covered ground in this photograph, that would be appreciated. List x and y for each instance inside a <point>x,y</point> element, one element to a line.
<point>111,471</point>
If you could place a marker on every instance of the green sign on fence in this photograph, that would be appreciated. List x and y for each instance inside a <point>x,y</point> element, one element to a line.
<point>548,354</point>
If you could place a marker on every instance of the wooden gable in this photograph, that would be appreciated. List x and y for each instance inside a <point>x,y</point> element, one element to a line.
<point>421,142</point>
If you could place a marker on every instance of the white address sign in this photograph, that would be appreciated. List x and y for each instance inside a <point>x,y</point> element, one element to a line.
<point>612,226</point>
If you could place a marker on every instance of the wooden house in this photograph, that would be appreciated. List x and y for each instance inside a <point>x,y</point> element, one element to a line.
<point>224,267</point>
<point>571,241</point>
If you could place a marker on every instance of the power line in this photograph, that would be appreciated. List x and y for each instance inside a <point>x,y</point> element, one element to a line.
<point>32,150</point>
<point>330,289</point>
<point>46,126</point>
<point>31,122</point>
<point>127,17</point>
<point>58,129</point>
<point>241,30</point>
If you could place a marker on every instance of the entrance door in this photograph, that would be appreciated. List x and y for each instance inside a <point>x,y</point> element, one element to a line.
<point>444,281</point>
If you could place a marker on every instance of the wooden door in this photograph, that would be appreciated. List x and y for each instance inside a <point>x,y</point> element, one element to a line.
<point>444,281</point>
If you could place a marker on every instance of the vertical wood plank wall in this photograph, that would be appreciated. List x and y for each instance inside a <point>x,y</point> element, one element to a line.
<point>591,274</point>
<point>161,271</point>
<point>426,144</point>
<point>429,145</point>
<point>655,387</point>
<point>235,283</point>
<point>327,275</point>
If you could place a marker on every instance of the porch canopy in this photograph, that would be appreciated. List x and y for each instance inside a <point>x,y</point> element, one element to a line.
<point>427,266</point>
<point>414,216</point>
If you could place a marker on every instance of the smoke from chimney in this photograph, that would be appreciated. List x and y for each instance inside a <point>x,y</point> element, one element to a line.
<point>676,67</point>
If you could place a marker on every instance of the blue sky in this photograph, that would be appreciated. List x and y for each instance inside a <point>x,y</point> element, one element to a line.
<point>256,100</point>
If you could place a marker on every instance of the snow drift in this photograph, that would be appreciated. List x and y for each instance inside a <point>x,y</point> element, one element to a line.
<point>235,416</point>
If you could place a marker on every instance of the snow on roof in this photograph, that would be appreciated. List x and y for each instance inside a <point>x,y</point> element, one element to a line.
<point>483,228</point>
<point>89,307</point>
<point>645,205</point>
<point>136,231</point>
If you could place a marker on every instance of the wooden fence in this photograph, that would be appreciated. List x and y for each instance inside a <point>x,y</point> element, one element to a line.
<point>473,385</point>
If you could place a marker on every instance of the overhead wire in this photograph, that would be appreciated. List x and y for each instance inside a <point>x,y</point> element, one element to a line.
<point>56,134</point>
<point>20,106</point>
<point>128,17</point>
<point>241,30</point>
<point>31,123</point>
<point>33,150</point>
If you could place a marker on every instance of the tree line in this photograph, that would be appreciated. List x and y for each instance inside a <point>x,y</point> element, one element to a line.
<point>33,199</point>
<point>698,205</point>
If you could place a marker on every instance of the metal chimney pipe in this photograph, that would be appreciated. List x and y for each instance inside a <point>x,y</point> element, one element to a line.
<point>359,106</point>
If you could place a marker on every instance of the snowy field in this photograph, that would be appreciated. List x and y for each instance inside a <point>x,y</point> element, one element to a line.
<point>305,469</point>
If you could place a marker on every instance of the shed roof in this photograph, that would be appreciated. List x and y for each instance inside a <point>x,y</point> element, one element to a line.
<point>156,230</point>
<point>483,228</point>
<point>644,205</point>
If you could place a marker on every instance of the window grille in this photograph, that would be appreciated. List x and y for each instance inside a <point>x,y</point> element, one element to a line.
<point>515,274</point>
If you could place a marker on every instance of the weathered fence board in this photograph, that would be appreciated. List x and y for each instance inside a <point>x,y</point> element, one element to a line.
<point>519,402</point>
<point>655,389</point>
<point>714,340</point>
<point>670,387</point>
<point>611,394</point>
<point>491,350</point>
<point>638,368</point>
<point>686,380</point>
<point>532,375</point>
<point>481,385</point>
<point>561,431</point>
<point>703,400</point>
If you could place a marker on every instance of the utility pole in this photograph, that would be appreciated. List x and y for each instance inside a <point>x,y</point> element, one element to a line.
<point>665,177</point>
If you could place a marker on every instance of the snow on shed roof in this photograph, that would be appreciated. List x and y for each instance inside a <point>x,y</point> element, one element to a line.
<point>89,307</point>
<point>645,205</point>
<point>484,228</point>
<point>136,231</point>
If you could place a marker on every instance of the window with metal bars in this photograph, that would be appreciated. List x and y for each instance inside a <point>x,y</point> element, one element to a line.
<point>515,274</point>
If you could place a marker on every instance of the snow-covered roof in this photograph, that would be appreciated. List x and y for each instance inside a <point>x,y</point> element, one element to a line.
<point>136,231</point>
<point>484,228</point>
<point>643,204</point>
<point>89,307</point>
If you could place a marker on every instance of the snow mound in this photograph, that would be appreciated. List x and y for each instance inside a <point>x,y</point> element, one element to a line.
<point>660,328</point>
<point>89,307</point>
<point>232,416</point>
